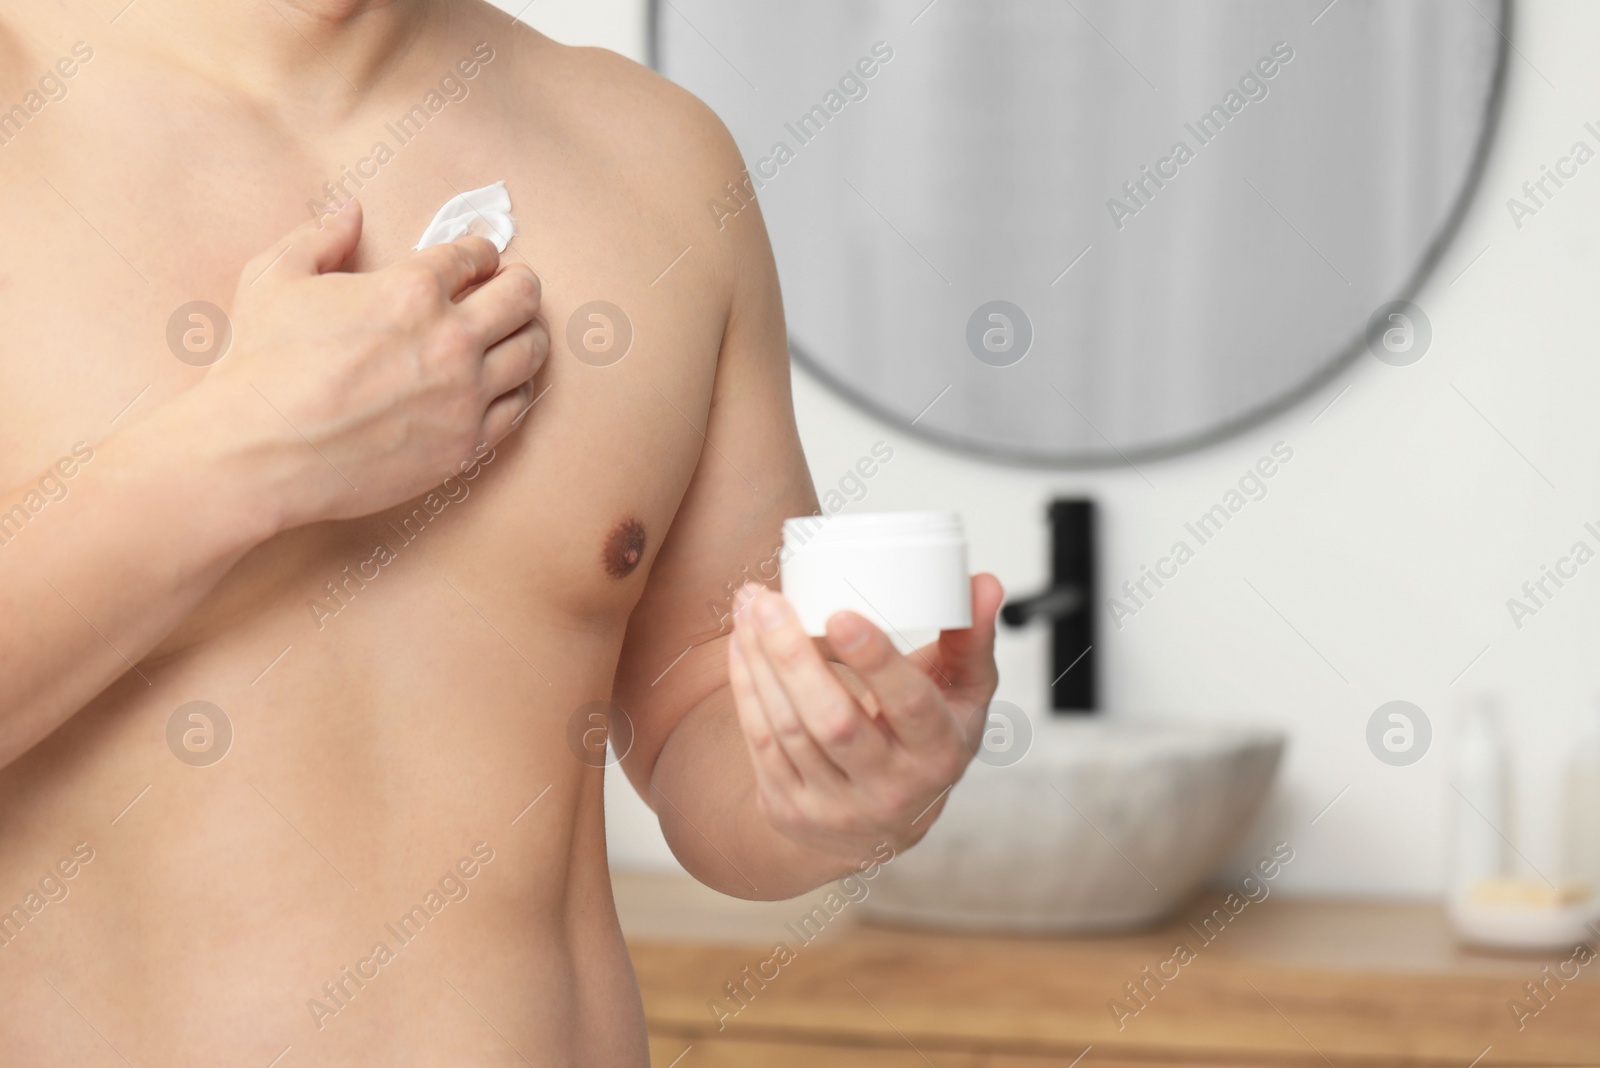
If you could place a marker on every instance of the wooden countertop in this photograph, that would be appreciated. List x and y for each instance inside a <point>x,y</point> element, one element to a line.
<point>1286,982</point>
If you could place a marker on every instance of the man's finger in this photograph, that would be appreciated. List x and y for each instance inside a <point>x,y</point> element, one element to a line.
<point>314,247</point>
<point>808,758</point>
<point>457,265</point>
<point>845,733</point>
<point>966,657</point>
<point>512,361</point>
<point>503,414</point>
<point>504,304</point>
<point>766,755</point>
<point>911,702</point>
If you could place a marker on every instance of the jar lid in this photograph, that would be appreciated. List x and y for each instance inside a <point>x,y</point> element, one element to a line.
<point>872,529</point>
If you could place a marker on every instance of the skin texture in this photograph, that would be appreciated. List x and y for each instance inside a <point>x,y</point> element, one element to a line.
<point>400,721</point>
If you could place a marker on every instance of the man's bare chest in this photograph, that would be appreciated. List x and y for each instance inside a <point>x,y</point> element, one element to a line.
<point>115,296</point>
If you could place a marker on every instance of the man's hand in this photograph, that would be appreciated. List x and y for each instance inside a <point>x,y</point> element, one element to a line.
<point>343,394</point>
<point>392,377</point>
<point>840,771</point>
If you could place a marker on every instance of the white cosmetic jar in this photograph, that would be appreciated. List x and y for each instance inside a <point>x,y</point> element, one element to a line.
<point>904,571</point>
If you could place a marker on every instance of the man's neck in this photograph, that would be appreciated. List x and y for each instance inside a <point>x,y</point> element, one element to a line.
<point>332,52</point>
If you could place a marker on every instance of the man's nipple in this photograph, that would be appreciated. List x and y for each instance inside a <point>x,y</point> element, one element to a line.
<point>624,548</point>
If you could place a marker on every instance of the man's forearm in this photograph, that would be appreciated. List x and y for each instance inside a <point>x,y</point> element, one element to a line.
<point>92,580</point>
<point>703,790</point>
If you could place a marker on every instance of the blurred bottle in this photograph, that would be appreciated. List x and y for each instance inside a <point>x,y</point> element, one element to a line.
<point>1479,799</point>
<point>1487,906</point>
<point>1581,807</point>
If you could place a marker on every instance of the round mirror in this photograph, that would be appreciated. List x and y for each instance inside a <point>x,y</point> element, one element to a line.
<point>1083,231</point>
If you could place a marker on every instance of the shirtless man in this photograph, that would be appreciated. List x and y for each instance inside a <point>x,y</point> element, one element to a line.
<point>383,758</point>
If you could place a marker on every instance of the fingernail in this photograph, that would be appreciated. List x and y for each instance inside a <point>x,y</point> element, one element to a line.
<point>347,207</point>
<point>771,610</point>
<point>846,632</point>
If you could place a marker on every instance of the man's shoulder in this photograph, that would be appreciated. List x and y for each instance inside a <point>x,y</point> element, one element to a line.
<point>626,122</point>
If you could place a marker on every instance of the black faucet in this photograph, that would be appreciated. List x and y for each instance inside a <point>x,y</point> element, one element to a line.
<point>1068,604</point>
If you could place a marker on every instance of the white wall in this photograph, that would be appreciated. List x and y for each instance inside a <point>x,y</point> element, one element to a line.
<point>615,24</point>
<point>1391,542</point>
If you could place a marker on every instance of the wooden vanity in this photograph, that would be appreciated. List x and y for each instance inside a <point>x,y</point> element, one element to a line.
<point>1283,982</point>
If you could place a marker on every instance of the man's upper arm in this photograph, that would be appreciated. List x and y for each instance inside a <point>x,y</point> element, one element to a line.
<point>750,477</point>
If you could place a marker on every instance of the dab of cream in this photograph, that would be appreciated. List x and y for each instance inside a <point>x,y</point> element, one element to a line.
<point>485,212</point>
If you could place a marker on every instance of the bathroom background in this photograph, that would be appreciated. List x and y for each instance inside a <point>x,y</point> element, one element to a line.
<point>1419,500</point>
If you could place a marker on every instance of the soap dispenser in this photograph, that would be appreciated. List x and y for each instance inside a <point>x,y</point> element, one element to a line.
<point>1580,807</point>
<point>1479,800</point>
<point>1487,905</point>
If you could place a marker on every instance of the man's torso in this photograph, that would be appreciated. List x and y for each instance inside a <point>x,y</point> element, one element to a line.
<point>398,689</point>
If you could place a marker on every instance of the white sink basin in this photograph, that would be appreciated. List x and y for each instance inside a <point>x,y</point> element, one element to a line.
<point>1097,828</point>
